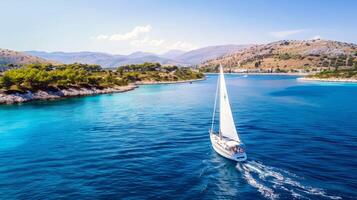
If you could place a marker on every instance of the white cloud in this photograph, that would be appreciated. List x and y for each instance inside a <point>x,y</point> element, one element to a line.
<point>101,37</point>
<point>138,37</point>
<point>126,36</point>
<point>283,34</point>
<point>316,37</point>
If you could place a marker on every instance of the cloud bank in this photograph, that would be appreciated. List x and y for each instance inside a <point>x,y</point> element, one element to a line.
<point>126,36</point>
<point>138,37</point>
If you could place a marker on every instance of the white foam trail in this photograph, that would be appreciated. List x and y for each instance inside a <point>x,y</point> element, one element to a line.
<point>277,179</point>
<point>265,191</point>
<point>293,193</point>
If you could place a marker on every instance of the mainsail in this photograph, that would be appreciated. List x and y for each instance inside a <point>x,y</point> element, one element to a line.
<point>227,126</point>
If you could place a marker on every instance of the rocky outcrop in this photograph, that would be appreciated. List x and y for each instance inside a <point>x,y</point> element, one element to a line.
<point>47,95</point>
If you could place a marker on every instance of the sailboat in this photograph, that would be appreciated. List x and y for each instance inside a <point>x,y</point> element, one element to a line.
<point>226,142</point>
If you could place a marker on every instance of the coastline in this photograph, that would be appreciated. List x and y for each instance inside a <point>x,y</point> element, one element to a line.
<point>167,82</point>
<point>265,74</point>
<point>65,93</point>
<point>328,80</point>
<point>77,92</point>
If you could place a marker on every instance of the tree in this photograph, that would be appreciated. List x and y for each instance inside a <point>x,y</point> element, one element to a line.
<point>257,64</point>
<point>5,81</point>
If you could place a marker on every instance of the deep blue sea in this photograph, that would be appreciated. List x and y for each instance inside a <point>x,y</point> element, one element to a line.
<point>153,143</point>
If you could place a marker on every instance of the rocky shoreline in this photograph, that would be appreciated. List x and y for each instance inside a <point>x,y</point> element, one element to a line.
<point>64,93</point>
<point>263,74</point>
<point>166,82</point>
<point>75,92</point>
<point>328,79</point>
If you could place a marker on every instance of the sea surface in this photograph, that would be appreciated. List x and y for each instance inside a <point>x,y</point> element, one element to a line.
<point>153,143</point>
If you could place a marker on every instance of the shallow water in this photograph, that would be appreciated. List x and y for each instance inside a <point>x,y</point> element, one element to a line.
<point>153,142</point>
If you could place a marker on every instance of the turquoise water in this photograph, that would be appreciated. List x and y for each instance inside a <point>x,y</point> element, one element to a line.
<point>153,142</point>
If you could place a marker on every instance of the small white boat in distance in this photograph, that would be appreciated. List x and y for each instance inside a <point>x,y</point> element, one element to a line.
<point>226,142</point>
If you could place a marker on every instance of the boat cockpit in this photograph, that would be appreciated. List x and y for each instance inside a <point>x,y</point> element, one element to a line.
<point>239,148</point>
<point>236,147</point>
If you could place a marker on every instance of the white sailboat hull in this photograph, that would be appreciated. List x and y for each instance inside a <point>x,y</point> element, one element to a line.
<point>219,145</point>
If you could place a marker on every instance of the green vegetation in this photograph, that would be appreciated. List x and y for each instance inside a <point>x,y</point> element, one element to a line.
<point>47,77</point>
<point>151,72</point>
<point>209,69</point>
<point>288,56</point>
<point>284,56</point>
<point>341,73</point>
<point>257,64</point>
<point>278,70</point>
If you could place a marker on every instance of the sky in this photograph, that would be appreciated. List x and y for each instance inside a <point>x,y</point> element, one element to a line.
<point>126,26</point>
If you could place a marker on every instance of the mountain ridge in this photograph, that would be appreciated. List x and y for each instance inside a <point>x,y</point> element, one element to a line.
<point>175,57</point>
<point>278,56</point>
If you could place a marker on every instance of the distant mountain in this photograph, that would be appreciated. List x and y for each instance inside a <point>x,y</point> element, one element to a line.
<point>290,56</point>
<point>203,54</point>
<point>280,56</point>
<point>16,58</point>
<point>140,54</point>
<point>147,58</point>
<point>80,57</point>
<point>172,54</point>
<point>175,57</point>
<point>103,59</point>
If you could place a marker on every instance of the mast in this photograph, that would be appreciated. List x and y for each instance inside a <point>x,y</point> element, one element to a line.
<point>214,107</point>
<point>227,127</point>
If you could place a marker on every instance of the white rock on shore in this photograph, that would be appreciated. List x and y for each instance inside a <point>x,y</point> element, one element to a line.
<point>167,82</point>
<point>45,95</point>
<point>72,92</point>
<point>328,79</point>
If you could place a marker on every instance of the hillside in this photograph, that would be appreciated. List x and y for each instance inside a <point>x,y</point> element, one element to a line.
<point>9,58</point>
<point>289,56</point>
<point>212,52</point>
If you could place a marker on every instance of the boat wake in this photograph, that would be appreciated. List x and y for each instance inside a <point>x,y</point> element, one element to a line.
<point>271,182</point>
